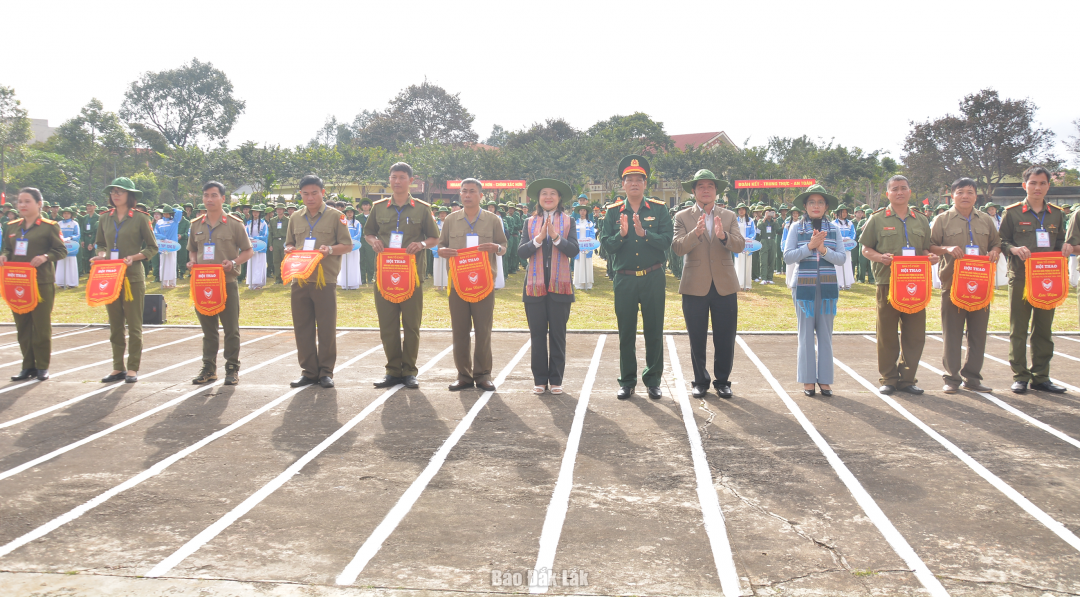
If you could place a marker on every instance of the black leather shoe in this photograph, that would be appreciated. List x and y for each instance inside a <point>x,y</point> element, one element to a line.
<point>886,389</point>
<point>1045,386</point>
<point>724,390</point>
<point>1019,387</point>
<point>411,382</point>
<point>113,377</point>
<point>625,392</point>
<point>486,386</point>
<point>699,391</point>
<point>809,393</point>
<point>131,378</point>
<point>826,393</point>
<point>655,393</point>
<point>387,382</point>
<point>912,389</point>
<point>24,375</point>
<point>459,385</point>
<point>303,381</point>
<point>43,374</point>
<point>326,381</point>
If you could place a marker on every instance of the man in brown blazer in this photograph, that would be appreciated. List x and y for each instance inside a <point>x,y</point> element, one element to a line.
<point>709,236</point>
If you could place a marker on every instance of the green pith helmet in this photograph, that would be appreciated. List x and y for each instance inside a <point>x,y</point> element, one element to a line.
<point>444,209</point>
<point>201,207</point>
<point>688,203</point>
<point>534,188</point>
<point>830,200</point>
<point>721,185</point>
<point>634,164</point>
<point>125,184</point>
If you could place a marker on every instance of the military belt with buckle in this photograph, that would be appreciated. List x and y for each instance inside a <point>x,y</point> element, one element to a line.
<point>639,272</point>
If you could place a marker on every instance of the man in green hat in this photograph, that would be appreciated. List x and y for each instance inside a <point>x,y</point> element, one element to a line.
<point>769,232</point>
<point>88,228</point>
<point>279,228</point>
<point>709,236</point>
<point>183,229</point>
<point>865,272</point>
<point>367,254</point>
<point>637,235</point>
<point>897,231</point>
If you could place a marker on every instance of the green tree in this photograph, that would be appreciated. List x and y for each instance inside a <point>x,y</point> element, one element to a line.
<point>1073,144</point>
<point>184,104</point>
<point>98,141</point>
<point>433,115</point>
<point>14,129</point>
<point>552,130</point>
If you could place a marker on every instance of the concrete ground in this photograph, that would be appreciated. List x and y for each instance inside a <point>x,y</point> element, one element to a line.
<point>165,488</point>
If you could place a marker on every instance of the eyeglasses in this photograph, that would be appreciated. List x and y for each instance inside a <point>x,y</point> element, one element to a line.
<point>815,203</point>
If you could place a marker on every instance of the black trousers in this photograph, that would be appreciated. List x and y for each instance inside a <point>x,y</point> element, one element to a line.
<point>547,323</point>
<point>725,318</point>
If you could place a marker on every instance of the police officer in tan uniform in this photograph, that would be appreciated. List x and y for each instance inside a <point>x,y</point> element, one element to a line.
<point>317,227</point>
<point>218,238</point>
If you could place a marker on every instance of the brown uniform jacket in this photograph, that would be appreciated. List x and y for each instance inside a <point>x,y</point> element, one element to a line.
<point>329,229</point>
<point>950,229</point>
<point>229,238</point>
<point>708,261</point>
<point>488,230</point>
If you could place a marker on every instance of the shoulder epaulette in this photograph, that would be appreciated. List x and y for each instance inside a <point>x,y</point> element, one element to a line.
<point>48,221</point>
<point>198,218</point>
<point>879,210</point>
<point>16,221</point>
<point>1017,204</point>
<point>657,201</point>
<point>1052,206</point>
<point>145,213</point>
<point>616,204</point>
<point>380,201</point>
<point>237,218</point>
<point>422,202</point>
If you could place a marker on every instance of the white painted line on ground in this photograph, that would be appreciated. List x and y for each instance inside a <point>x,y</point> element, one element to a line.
<point>711,513</point>
<point>405,503</point>
<point>1055,527</point>
<point>9,333</point>
<point>56,337</point>
<point>1003,362</point>
<point>155,470</point>
<point>94,364</point>
<point>1060,354</point>
<point>19,362</point>
<point>256,498</point>
<point>50,409</point>
<point>560,498</point>
<point>865,501</point>
<point>1069,338</point>
<point>82,442</point>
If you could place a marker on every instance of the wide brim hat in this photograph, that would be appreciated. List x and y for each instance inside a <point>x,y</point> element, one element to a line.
<point>349,208</point>
<point>124,183</point>
<point>534,188</point>
<point>634,164</point>
<point>200,207</point>
<point>721,184</point>
<point>830,200</point>
<point>70,210</point>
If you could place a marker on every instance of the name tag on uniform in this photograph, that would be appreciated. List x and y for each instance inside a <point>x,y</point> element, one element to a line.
<point>309,244</point>
<point>88,226</point>
<point>21,246</point>
<point>1042,239</point>
<point>908,252</point>
<point>114,254</point>
<point>279,225</point>
<point>472,239</point>
<point>971,250</point>
<point>395,239</point>
<point>768,230</point>
<point>208,252</point>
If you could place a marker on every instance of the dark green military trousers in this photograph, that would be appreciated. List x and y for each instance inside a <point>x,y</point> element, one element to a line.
<point>131,313</point>
<point>393,318</point>
<point>646,292</point>
<point>1041,322</point>
<point>34,330</point>
<point>229,319</point>
<point>901,338</point>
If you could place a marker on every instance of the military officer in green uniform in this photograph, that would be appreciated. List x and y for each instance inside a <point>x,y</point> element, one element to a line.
<point>126,233</point>
<point>865,273</point>
<point>769,232</point>
<point>88,223</point>
<point>183,231</point>
<point>637,235</point>
<point>896,231</point>
<point>35,240</point>
<point>216,238</point>
<point>401,222</point>
<point>367,254</point>
<point>1031,226</point>
<point>279,228</point>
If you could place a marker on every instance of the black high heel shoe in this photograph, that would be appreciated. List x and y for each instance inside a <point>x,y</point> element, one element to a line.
<point>826,393</point>
<point>809,392</point>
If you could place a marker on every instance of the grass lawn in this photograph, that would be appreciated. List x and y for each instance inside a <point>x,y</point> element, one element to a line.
<point>765,308</point>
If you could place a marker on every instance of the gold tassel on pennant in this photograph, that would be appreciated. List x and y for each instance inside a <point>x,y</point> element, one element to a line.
<point>127,290</point>
<point>320,281</point>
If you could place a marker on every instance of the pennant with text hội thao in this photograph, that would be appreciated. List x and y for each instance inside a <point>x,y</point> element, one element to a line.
<point>909,283</point>
<point>300,265</point>
<point>973,282</point>
<point>107,279</point>
<point>470,275</point>
<point>208,288</point>
<point>19,281</point>
<point>1046,280</point>
<point>395,275</point>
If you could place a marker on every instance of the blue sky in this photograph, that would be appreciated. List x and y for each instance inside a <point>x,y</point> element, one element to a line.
<point>855,72</point>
